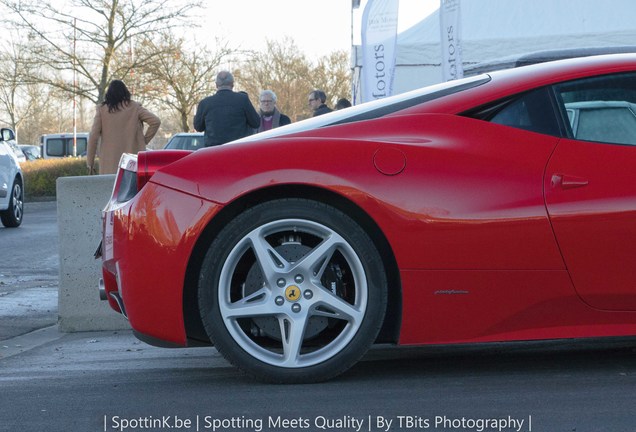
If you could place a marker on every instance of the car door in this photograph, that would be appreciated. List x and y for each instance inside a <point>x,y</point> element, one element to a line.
<point>590,189</point>
<point>6,164</point>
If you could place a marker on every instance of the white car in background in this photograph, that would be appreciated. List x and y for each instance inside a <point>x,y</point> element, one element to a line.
<point>11,182</point>
<point>186,141</point>
<point>59,145</point>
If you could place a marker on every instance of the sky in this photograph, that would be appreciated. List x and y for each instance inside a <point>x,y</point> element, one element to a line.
<point>318,27</point>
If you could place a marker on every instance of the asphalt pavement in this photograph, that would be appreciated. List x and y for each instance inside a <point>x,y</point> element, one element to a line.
<point>29,272</point>
<point>29,281</point>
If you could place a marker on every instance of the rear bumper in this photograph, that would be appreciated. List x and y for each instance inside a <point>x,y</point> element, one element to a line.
<point>147,244</point>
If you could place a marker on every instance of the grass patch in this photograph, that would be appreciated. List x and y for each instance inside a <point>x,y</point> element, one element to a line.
<point>40,175</point>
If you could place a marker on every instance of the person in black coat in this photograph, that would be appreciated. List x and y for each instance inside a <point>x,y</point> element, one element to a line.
<point>317,99</point>
<point>342,104</point>
<point>227,115</point>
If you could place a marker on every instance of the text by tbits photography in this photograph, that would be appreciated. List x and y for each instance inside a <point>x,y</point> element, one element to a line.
<point>345,423</point>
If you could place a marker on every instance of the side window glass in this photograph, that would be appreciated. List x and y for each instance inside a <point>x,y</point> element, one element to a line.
<point>601,109</point>
<point>531,111</point>
<point>81,146</point>
<point>55,147</point>
<point>515,115</point>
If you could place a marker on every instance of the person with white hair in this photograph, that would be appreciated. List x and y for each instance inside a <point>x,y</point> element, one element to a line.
<point>271,117</point>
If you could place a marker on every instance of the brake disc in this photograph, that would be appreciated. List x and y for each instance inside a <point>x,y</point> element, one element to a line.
<point>292,250</point>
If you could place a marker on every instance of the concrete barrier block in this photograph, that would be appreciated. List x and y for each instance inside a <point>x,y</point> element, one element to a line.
<point>80,201</point>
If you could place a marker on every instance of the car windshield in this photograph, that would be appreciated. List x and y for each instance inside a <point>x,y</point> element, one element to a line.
<point>374,109</point>
<point>31,152</point>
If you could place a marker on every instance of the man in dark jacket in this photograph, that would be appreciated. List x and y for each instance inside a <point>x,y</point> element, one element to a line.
<point>317,99</point>
<point>227,115</point>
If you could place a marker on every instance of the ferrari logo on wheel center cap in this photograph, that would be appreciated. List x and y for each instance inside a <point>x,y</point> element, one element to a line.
<point>292,293</point>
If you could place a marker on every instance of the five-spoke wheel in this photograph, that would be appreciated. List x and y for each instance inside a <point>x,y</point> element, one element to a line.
<point>292,291</point>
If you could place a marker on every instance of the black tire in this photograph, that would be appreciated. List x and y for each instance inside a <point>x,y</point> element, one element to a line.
<point>12,216</point>
<point>292,291</point>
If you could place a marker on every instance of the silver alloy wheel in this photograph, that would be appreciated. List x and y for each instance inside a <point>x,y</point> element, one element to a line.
<point>291,294</point>
<point>18,202</point>
<point>12,216</point>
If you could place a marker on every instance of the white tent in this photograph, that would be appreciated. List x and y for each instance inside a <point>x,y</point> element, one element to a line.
<point>496,29</point>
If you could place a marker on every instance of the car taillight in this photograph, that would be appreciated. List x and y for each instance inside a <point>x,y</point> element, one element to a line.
<point>126,182</point>
<point>136,170</point>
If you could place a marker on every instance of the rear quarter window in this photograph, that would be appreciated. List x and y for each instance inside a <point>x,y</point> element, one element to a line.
<point>532,111</point>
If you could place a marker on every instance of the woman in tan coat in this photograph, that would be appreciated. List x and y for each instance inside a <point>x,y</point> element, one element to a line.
<point>119,122</point>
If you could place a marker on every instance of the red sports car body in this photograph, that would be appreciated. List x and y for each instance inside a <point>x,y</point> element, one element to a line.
<point>500,207</point>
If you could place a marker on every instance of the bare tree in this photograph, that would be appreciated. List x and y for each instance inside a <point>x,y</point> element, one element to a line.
<point>17,102</point>
<point>179,78</point>
<point>95,39</point>
<point>283,69</point>
<point>332,74</point>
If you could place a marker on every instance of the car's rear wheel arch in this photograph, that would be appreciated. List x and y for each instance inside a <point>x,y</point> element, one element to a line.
<point>194,326</point>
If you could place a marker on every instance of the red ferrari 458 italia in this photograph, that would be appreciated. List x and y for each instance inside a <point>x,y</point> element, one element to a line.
<point>500,207</point>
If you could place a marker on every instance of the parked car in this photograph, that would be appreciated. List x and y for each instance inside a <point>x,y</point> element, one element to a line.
<point>186,141</point>
<point>11,182</point>
<point>465,212</point>
<point>31,152</point>
<point>61,144</point>
<point>15,148</point>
